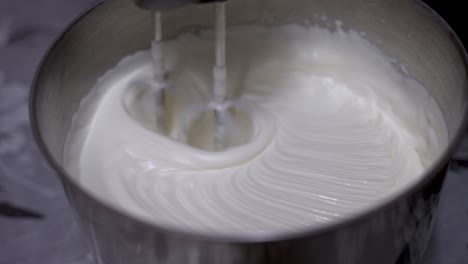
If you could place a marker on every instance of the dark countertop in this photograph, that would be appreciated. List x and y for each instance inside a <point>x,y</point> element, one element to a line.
<point>26,29</point>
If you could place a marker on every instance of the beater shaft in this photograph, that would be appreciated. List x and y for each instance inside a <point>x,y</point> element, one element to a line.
<point>220,77</point>
<point>159,73</point>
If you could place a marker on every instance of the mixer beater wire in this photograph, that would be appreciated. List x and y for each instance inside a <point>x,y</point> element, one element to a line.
<point>219,103</point>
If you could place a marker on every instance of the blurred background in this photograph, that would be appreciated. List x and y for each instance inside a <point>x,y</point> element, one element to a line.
<point>36,223</point>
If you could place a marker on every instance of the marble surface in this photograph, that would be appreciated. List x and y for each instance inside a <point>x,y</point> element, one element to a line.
<point>27,27</point>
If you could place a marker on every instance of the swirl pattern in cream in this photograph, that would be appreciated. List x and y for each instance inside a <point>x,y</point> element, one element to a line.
<point>334,129</point>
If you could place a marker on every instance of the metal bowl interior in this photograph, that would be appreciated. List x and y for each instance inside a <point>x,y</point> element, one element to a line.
<point>408,30</point>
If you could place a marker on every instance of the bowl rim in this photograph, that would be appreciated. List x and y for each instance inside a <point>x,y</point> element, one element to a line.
<point>429,176</point>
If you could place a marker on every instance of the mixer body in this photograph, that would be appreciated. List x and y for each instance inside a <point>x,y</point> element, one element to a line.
<point>167,4</point>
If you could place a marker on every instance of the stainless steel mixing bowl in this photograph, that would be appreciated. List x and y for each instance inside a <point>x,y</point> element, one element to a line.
<point>394,232</point>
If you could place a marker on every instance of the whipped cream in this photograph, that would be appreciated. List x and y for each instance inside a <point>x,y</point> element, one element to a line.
<point>330,128</point>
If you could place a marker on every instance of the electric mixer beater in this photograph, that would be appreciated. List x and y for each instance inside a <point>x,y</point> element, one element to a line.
<point>219,104</point>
